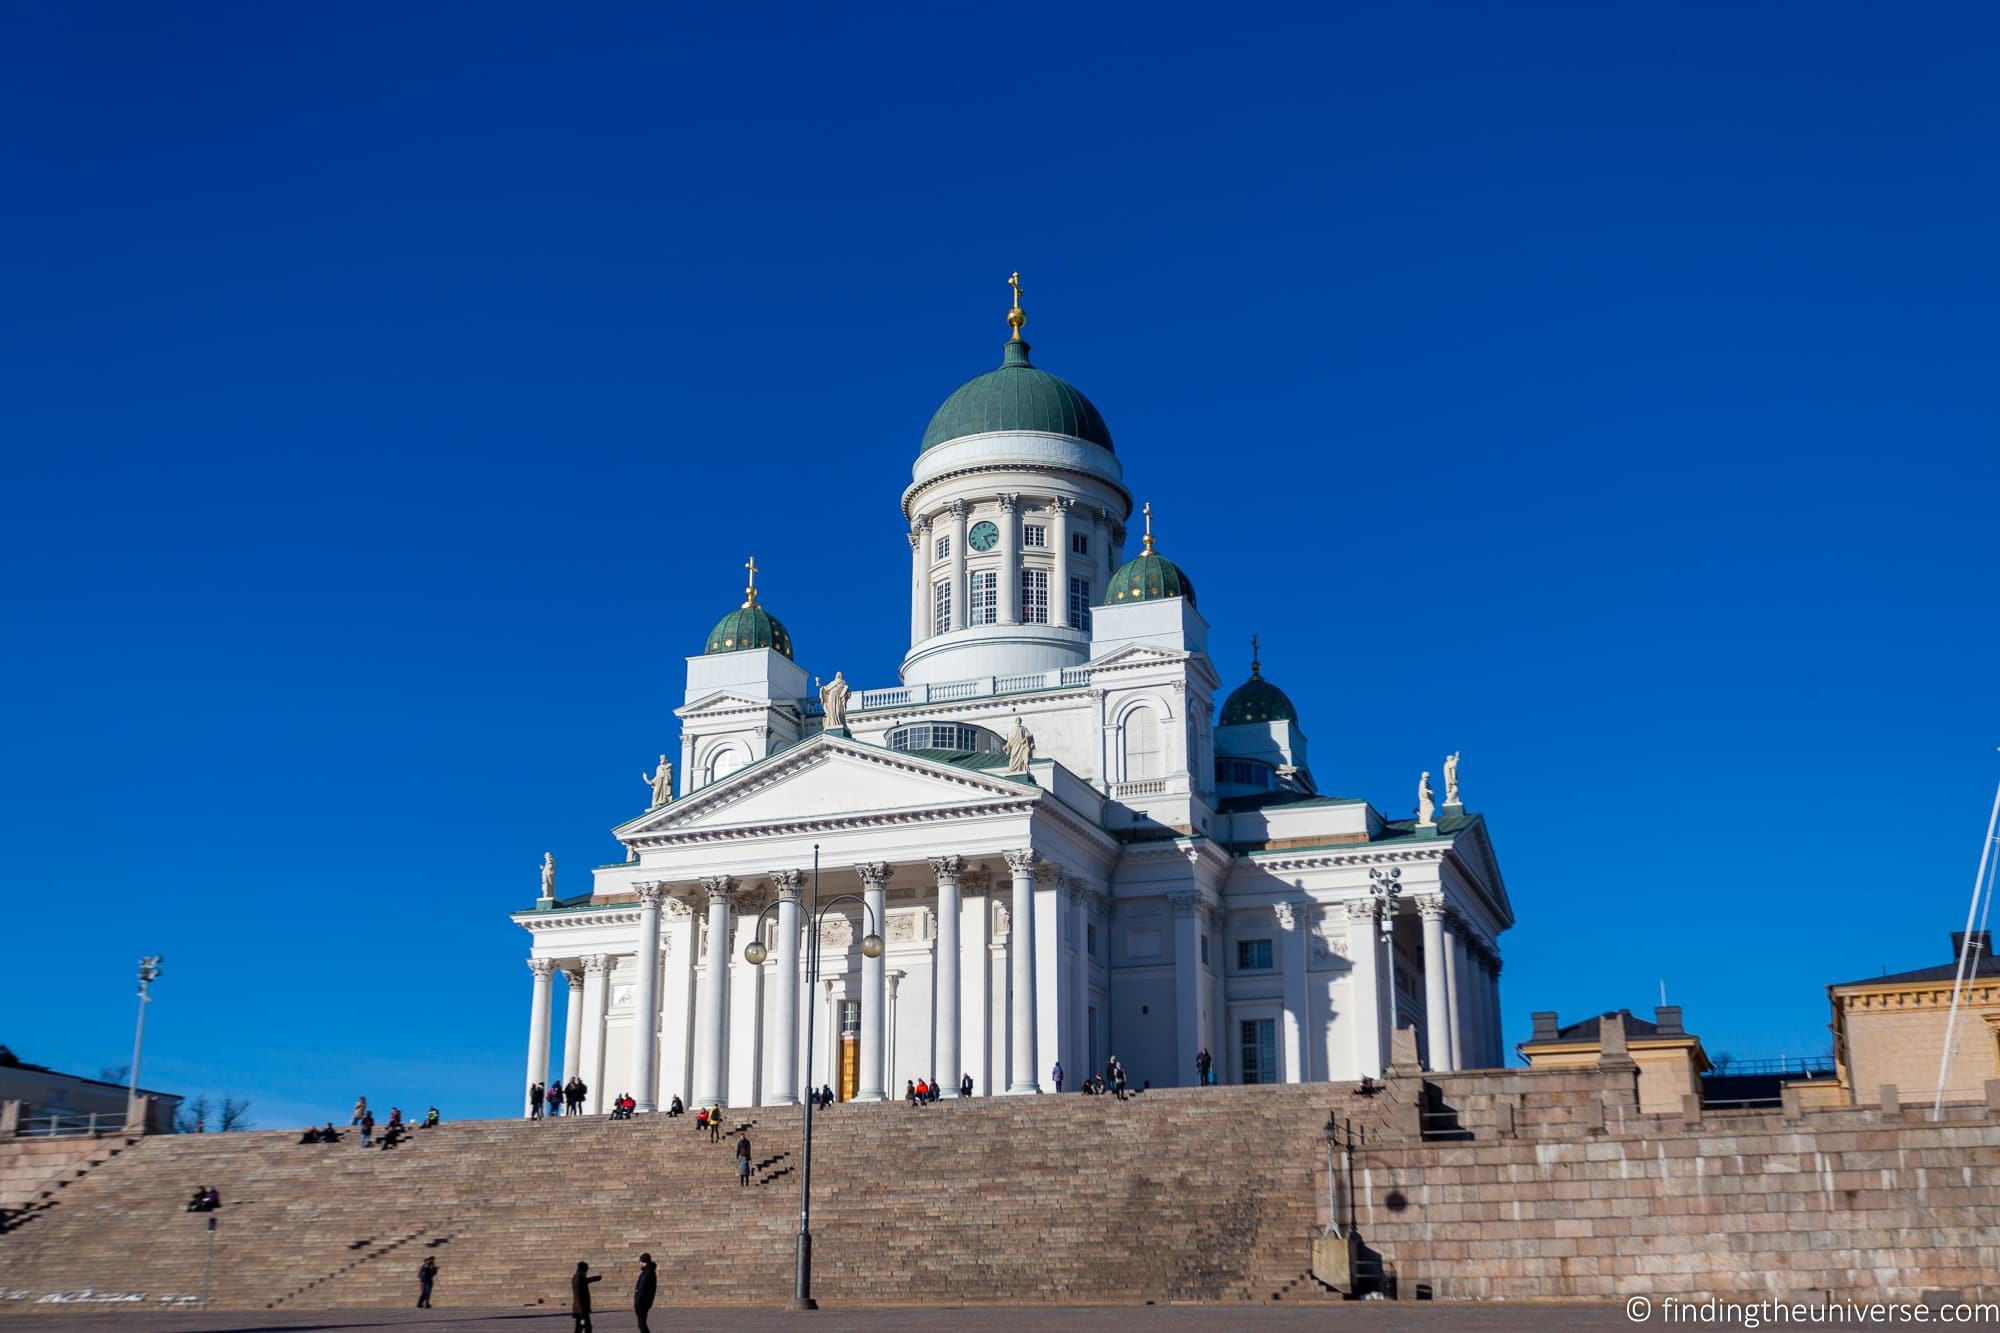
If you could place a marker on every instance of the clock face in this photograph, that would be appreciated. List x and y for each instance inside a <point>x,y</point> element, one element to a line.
<point>982,536</point>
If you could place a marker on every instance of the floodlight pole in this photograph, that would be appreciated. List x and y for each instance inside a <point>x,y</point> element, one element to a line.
<point>149,972</point>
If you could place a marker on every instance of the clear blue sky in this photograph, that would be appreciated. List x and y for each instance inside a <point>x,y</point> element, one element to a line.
<point>390,395</point>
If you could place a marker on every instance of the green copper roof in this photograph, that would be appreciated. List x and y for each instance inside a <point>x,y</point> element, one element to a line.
<point>1147,577</point>
<point>1017,397</point>
<point>1257,700</point>
<point>749,626</point>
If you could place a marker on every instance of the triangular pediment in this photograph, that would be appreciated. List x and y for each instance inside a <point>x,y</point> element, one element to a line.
<point>828,777</point>
<point>722,701</point>
<point>1138,655</point>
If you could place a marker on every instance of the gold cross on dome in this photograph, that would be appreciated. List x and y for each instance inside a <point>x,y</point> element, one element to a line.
<point>1147,509</point>
<point>750,593</point>
<point>1255,667</point>
<point>1017,316</point>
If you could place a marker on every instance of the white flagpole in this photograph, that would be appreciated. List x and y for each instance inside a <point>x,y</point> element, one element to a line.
<point>1980,888</point>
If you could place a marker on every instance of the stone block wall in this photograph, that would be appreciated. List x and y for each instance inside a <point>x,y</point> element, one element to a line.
<point>1563,1190</point>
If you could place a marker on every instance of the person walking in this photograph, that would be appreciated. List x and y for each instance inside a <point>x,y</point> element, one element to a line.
<point>555,1100</point>
<point>367,1129</point>
<point>534,1101</point>
<point>1203,1062</point>
<point>426,1275</point>
<point>579,1296</point>
<point>644,1290</point>
<point>1056,1074</point>
<point>360,1109</point>
<point>743,1160</point>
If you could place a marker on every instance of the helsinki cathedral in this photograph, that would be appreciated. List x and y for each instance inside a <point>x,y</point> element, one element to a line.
<point>1045,845</point>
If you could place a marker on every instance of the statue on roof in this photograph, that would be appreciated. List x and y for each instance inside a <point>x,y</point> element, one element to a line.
<point>662,783</point>
<point>1451,779</point>
<point>1426,802</point>
<point>1020,748</point>
<point>548,874</point>
<point>833,698</point>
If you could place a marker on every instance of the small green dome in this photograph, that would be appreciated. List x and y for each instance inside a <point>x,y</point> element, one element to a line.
<point>1147,578</point>
<point>749,626</point>
<point>1017,397</point>
<point>1257,699</point>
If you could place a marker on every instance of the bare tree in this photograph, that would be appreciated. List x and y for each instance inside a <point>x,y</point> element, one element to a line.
<point>235,1114</point>
<point>192,1118</point>
<point>114,1073</point>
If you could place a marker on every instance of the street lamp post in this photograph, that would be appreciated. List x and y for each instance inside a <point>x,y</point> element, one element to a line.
<point>754,954</point>
<point>149,972</point>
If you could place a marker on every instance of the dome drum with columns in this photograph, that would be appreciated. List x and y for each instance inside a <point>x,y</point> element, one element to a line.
<point>1067,850</point>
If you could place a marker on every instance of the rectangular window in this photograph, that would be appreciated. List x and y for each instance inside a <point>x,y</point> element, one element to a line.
<point>985,603</point>
<point>1090,939</point>
<point>941,607</point>
<point>1079,603</point>
<point>944,548</point>
<point>850,1016</point>
<point>1034,534</point>
<point>1253,955</point>
<point>1034,597</point>
<point>1204,948</point>
<point>1079,543</point>
<point>1260,1050</point>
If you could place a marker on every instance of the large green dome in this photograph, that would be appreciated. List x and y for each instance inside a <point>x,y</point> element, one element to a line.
<point>1146,578</point>
<point>1256,699</point>
<point>1017,397</point>
<point>749,626</point>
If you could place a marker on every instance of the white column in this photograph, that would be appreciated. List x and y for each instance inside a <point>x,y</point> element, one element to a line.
<point>1292,939</point>
<point>874,878</point>
<point>1052,992</point>
<point>709,1014</point>
<point>646,999</point>
<point>1077,1066</point>
<point>1022,1074</point>
<point>920,584</point>
<point>573,1033</point>
<point>781,1069</point>
<point>1437,1004</point>
<point>1187,989</point>
<point>944,971</point>
<point>591,1068</point>
<point>538,1026</point>
<point>678,928</point>
<point>1364,1000</point>
<point>1059,542</point>
<point>1100,556</point>
<point>1500,1051</point>
<point>1010,559</point>
<point>742,1061</point>
<point>975,1052</point>
<point>957,510</point>
<point>892,982</point>
<point>1456,974</point>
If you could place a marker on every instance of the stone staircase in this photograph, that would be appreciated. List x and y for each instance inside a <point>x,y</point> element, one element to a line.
<point>1181,1194</point>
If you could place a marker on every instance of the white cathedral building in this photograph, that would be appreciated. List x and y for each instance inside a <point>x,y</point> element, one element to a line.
<point>1136,875</point>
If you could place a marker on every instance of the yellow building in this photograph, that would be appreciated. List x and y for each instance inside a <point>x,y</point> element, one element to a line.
<point>1890,1029</point>
<point>1671,1060</point>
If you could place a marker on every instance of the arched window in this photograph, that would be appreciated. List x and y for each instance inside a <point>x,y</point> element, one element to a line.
<point>1145,746</point>
<point>723,762</point>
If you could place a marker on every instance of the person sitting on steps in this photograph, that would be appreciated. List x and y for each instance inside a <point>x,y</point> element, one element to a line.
<point>675,1108</point>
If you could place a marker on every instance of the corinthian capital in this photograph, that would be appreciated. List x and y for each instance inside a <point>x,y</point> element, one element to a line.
<point>788,884</point>
<point>1021,859</point>
<point>1184,903</point>
<point>543,968</point>
<point>1431,907</point>
<point>650,892</point>
<point>1060,504</point>
<point>947,868</point>
<point>1008,499</point>
<point>1286,918</point>
<point>719,887</point>
<point>1363,909</point>
<point>874,874</point>
<point>597,964</point>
